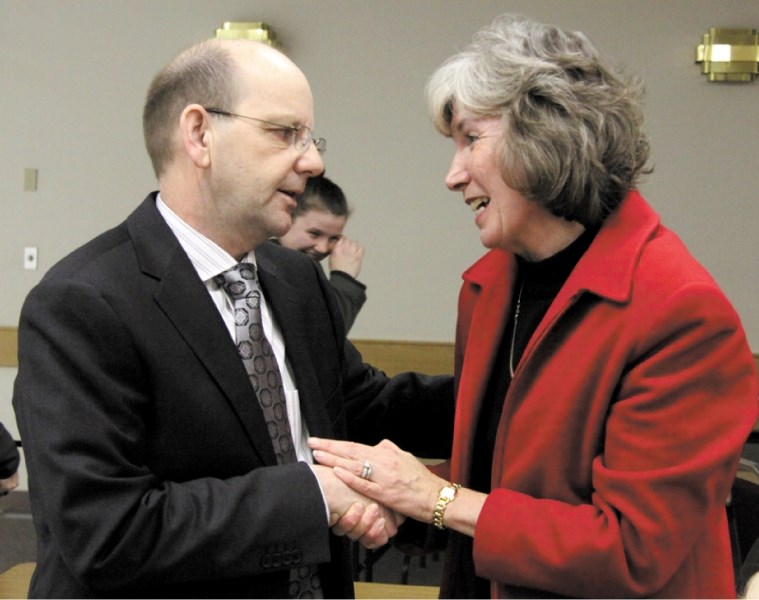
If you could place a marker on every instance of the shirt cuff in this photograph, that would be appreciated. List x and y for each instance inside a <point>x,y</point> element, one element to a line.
<point>324,498</point>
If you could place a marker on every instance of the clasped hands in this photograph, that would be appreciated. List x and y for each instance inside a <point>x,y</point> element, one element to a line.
<point>394,483</point>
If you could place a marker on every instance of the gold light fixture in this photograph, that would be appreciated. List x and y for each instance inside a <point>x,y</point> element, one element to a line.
<point>247,30</point>
<point>729,54</point>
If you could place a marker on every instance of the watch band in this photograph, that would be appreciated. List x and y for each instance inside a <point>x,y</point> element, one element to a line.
<point>447,495</point>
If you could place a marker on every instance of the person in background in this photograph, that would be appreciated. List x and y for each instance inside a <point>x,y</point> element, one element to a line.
<point>9,461</point>
<point>318,223</point>
<point>171,369</point>
<point>605,384</point>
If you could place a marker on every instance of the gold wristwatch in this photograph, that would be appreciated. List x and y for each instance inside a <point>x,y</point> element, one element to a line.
<point>447,494</point>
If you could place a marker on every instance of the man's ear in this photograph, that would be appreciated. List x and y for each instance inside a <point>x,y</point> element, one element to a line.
<point>195,132</point>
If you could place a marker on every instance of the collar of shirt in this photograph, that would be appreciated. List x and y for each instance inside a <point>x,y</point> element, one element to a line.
<point>209,259</point>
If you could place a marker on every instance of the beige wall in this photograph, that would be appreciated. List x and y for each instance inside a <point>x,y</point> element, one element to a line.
<point>73,75</point>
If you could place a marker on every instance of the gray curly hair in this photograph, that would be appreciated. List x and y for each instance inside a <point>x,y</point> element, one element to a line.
<point>573,137</point>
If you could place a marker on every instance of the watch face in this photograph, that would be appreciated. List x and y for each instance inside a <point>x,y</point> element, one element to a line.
<point>447,493</point>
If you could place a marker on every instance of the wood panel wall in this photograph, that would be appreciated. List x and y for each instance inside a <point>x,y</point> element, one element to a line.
<point>432,358</point>
<point>393,357</point>
<point>8,346</point>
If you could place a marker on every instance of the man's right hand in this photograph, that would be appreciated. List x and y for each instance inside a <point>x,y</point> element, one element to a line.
<point>354,515</point>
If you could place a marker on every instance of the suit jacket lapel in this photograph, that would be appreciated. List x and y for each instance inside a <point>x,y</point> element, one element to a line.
<point>281,298</point>
<point>184,299</point>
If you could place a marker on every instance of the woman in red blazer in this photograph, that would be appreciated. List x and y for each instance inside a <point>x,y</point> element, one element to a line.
<point>605,384</point>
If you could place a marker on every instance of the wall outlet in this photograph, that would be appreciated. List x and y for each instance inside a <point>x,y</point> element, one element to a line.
<point>30,258</point>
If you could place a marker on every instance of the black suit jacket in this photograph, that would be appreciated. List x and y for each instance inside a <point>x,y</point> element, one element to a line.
<point>151,473</point>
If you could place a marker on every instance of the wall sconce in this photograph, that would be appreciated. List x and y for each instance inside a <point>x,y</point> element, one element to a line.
<point>259,32</point>
<point>729,54</point>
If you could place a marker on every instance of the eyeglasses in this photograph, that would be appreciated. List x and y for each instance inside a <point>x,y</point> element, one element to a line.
<point>300,137</point>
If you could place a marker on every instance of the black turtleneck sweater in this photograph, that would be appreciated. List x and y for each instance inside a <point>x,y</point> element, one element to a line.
<point>539,284</point>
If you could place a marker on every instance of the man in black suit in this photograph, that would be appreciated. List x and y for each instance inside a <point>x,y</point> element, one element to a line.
<point>151,469</point>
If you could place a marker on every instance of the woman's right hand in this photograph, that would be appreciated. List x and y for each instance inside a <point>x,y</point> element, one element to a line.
<point>398,480</point>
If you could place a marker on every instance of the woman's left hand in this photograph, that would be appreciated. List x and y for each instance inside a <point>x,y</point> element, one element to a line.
<point>394,478</point>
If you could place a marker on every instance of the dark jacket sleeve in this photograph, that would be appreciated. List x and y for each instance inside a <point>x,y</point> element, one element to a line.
<point>413,410</point>
<point>350,294</point>
<point>177,501</point>
<point>9,457</point>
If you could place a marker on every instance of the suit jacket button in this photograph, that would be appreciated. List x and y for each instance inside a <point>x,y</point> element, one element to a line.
<point>266,561</point>
<point>297,556</point>
<point>276,559</point>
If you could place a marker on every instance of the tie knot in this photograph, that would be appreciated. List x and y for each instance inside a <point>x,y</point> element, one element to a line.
<point>238,281</point>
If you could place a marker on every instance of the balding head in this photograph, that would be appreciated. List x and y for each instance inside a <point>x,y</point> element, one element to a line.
<point>267,75</point>
<point>220,125</point>
<point>212,73</point>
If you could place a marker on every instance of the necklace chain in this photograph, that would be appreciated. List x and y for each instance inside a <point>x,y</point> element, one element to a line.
<point>514,330</point>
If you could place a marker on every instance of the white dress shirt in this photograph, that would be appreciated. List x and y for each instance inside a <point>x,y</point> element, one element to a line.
<point>210,260</point>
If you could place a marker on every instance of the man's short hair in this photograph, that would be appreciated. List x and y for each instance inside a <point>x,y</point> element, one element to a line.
<point>204,74</point>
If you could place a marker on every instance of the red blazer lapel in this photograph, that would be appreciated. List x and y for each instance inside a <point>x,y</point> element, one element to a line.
<point>484,303</point>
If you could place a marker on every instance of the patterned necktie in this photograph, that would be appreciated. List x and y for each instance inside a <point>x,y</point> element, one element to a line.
<point>258,357</point>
